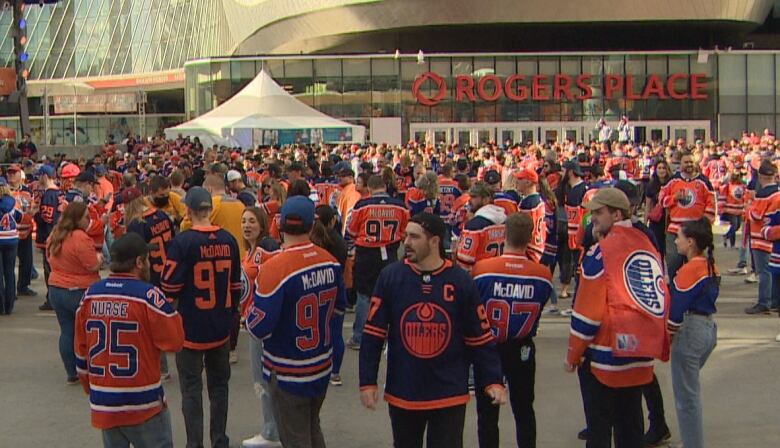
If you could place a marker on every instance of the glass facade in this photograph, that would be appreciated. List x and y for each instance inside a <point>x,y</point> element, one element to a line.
<point>80,38</point>
<point>734,91</point>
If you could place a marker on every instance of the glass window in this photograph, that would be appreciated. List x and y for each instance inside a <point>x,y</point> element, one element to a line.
<point>757,123</point>
<point>328,87</point>
<point>731,126</point>
<point>732,86</point>
<point>357,88</point>
<point>760,84</point>
<point>385,87</point>
<point>299,80</point>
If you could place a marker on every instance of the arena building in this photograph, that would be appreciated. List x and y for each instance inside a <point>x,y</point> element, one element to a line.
<point>436,70</point>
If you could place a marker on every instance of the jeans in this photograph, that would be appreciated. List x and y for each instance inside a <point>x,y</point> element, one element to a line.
<point>153,433</point>
<point>298,417</point>
<point>655,405</point>
<point>742,263</point>
<point>8,283</point>
<point>444,427</point>
<point>46,272</point>
<point>268,429</point>
<point>612,408</point>
<point>761,260</point>
<point>735,222</point>
<point>673,259</point>
<point>65,303</point>
<point>190,364</point>
<point>361,314</point>
<point>25,254</point>
<point>521,375</point>
<point>691,347</point>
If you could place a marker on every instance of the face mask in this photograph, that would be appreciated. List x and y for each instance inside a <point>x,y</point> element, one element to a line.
<point>160,201</point>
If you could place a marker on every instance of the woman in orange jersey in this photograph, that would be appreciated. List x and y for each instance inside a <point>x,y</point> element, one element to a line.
<point>260,248</point>
<point>694,292</point>
<point>74,267</point>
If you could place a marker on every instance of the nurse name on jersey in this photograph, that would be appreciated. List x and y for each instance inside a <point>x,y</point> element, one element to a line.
<point>512,291</point>
<point>313,279</point>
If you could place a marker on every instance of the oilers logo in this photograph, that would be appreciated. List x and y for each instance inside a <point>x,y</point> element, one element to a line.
<point>686,198</point>
<point>739,192</point>
<point>426,330</point>
<point>245,286</point>
<point>643,279</point>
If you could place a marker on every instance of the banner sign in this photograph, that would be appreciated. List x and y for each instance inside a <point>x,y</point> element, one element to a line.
<point>559,87</point>
<point>99,103</point>
<point>7,81</point>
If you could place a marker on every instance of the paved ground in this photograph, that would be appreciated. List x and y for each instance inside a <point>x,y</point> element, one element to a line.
<point>739,385</point>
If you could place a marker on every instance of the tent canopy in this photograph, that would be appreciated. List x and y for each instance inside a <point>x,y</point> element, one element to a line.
<point>261,105</point>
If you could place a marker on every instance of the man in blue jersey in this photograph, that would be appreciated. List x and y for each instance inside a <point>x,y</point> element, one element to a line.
<point>203,272</point>
<point>297,294</point>
<point>514,290</point>
<point>431,313</point>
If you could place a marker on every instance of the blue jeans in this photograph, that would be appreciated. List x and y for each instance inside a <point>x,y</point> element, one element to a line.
<point>8,279</point>
<point>153,433</point>
<point>761,260</point>
<point>692,345</point>
<point>65,303</point>
<point>361,314</point>
<point>735,222</point>
<point>268,430</point>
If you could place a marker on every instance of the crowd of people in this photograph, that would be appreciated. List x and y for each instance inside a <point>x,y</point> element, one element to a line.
<point>445,255</point>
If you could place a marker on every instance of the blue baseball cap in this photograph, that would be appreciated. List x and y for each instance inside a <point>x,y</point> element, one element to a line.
<point>298,213</point>
<point>197,198</point>
<point>47,170</point>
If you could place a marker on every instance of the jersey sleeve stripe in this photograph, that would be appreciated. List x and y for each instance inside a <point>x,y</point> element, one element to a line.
<point>297,362</point>
<point>486,338</point>
<point>584,319</point>
<point>111,399</point>
<point>579,335</point>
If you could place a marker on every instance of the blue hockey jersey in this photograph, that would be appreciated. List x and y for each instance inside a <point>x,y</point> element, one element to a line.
<point>297,294</point>
<point>155,227</point>
<point>435,327</point>
<point>203,271</point>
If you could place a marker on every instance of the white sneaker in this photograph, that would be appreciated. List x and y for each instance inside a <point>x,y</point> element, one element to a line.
<point>751,278</point>
<point>553,310</point>
<point>259,441</point>
<point>233,357</point>
<point>777,338</point>
<point>566,312</point>
<point>738,271</point>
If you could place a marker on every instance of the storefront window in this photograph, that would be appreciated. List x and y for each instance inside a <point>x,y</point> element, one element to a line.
<point>732,86</point>
<point>357,88</point>
<point>385,83</point>
<point>328,88</point>
<point>760,85</point>
<point>299,80</point>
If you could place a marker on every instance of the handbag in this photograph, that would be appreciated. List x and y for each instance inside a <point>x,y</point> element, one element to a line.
<point>657,213</point>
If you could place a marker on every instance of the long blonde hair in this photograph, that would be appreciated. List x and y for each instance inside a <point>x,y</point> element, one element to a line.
<point>134,210</point>
<point>69,221</point>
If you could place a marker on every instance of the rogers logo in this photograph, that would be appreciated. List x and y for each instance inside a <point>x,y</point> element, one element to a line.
<point>441,86</point>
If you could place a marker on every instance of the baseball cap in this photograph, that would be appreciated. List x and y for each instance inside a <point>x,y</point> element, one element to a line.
<point>100,170</point>
<point>47,170</point>
<point>129,194</point>
<point>609,197</point>
<point>233,175</point>
<point>128,247</point>
<point>434,225</point>
<point>492,177</point>
<point>14,167</point>
<point>630,190</point>
<point>527,174</point>
<point>573,166</point>
<point>86,176</point>
<point>343,168</point>
<point>197,198</point>
<point>298,212</point>
<point>480,189</point>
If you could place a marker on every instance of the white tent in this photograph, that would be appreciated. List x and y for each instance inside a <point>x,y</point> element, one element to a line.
<point>260,106</point>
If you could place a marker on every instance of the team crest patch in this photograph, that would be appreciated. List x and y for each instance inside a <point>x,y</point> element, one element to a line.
<point>426,330</point>
<point>244,286</point>
<point>644,281</point>
<point>739,192</point>
<point>687,198</point>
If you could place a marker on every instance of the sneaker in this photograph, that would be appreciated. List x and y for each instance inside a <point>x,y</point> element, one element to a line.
<point>777,338</point>
<point>757,309</point>
<point>567,312</point>
<point>350,310</point>
<point>259,441</point>
<point>553,310</point>
<point>233,357</point>
<point>583,435</point>
<point>34,275</point>
<point>751,278</point>
<point>46,307</point>
<point>72,381</point>
<point>26,292</point>
<point>352,345</point>
<point>335,380</point>
<point>738,271</point>
<point>657,437</point>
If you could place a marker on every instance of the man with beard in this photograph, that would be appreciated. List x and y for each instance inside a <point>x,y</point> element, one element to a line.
<point>687,197</point>
<point>431,312</point>
<point>125,316</point>
<point>483,234</point>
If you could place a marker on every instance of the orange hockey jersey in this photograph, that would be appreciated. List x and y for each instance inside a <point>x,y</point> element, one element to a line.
<point>687,200</point>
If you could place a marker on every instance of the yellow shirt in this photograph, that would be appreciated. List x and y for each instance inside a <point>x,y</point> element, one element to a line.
<point>226,213</point>
<point>175,207</point>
